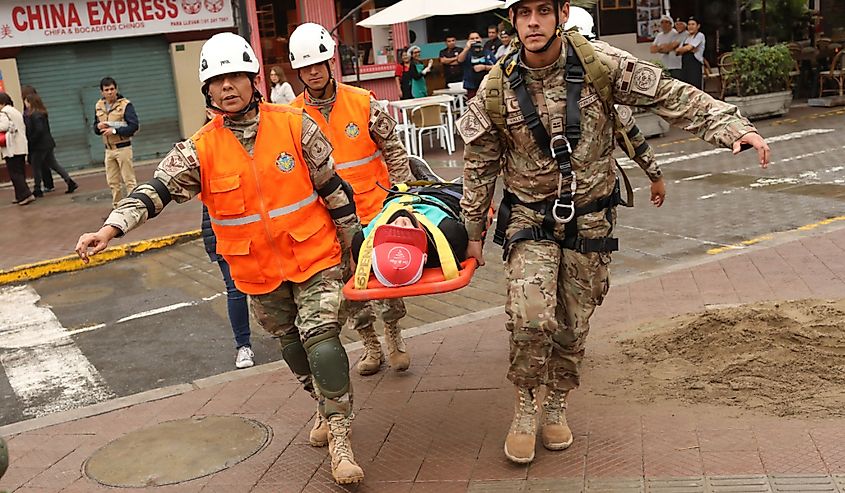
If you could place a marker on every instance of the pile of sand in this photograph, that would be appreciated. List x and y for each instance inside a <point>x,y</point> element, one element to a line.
<point>783,358</point>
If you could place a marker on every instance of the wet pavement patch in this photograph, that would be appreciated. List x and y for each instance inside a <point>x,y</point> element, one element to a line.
<point>783,358</point>
<point>177,451</point>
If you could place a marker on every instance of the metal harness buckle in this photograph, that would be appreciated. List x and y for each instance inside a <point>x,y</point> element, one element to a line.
<point>567,210</point>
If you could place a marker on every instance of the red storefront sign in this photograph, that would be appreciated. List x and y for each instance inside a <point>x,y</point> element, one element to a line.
<point>25,23</point>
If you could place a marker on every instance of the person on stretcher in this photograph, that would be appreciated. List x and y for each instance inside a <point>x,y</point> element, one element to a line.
<point>419,227</point>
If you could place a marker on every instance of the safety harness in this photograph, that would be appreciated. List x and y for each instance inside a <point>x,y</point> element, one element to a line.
<point>581,66</point>
<point>409,194</point>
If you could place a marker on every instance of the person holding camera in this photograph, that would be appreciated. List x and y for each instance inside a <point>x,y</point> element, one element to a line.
<point>476,61</point>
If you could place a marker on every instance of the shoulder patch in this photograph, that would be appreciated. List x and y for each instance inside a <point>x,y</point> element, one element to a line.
<point>625,113</point>
<point>315,144</point>
<point>639,77</point>
<point>382,124</point>
<point>474,123</point>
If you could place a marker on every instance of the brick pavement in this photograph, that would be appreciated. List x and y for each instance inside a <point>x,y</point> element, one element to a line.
<point>440,426</point>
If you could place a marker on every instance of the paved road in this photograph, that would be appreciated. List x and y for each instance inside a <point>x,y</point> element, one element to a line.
<point>160,319</point>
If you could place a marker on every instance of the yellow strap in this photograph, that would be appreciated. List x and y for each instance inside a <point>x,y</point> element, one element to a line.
<point>365,256</point>
<point>444,251</point>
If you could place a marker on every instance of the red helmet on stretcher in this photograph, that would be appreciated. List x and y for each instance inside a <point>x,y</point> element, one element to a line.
<point>399,255</point>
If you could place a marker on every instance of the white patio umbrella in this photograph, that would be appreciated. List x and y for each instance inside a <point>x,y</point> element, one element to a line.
<point>414,10</point>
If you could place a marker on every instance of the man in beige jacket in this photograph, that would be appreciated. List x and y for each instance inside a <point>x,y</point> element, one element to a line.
<point>116,121</point>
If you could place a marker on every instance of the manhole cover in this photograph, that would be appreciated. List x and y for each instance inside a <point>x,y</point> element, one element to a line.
<point>177,451</point>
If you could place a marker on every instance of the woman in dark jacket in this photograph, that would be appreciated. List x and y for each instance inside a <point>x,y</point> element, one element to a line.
<point>41,147</point>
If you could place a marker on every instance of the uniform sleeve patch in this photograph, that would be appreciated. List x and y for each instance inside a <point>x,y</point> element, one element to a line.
<point>640,78</point>
<point>317,148</point>
<point>625,113</point>
<point>382,124</point>
<point>474,123</point>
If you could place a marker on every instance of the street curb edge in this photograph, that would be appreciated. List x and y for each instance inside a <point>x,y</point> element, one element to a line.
<point>30,272</point>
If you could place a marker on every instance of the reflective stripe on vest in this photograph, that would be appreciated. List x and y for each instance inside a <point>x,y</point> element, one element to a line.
<point>254,218</point>
<point>359,162</point>
<point>281,211</point>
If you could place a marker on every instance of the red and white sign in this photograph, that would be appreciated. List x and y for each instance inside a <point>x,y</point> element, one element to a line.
<point>26,23</point>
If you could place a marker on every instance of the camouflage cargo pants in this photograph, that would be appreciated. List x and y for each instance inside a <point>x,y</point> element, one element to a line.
<point>552,292</point>
<point>307,311</point>
<point>361,315</point>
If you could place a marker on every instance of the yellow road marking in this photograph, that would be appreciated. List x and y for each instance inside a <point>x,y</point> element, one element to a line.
<point>29,272</point>
<point>759,239</point>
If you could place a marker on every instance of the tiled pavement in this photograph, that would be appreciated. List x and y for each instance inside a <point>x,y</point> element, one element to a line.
<point>440,426</point>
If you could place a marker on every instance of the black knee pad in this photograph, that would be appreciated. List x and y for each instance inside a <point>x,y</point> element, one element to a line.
<point>294,354</point>
<point>329,364</point>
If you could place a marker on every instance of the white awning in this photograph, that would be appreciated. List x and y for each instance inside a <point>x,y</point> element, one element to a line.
<point>414,10</point>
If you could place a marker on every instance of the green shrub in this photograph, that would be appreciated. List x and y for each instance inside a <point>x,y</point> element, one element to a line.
<point>760,69</point>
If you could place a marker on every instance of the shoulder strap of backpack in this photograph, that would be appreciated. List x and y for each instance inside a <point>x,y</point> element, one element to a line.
<point>598,75</point>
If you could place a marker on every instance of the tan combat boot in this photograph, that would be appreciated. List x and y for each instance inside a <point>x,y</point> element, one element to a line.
<point>397,353</point>
<point>319,436</point>
<point>519,444</point>
<point>554,429</point>
<point>372,358</point>
<point>344,468</point>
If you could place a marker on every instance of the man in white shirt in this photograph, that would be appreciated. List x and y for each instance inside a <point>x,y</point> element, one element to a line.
<point>665,43</point>
<point>692,55</point>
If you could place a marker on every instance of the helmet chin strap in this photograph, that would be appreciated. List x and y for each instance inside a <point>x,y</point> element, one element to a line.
<point>557,34</point>
<point>552,39</point>
<point>322,90</point>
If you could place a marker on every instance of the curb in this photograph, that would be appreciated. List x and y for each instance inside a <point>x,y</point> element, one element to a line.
<point>30,272</point>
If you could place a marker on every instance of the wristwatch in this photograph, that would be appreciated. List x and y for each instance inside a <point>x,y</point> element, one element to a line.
<point>114,131</point>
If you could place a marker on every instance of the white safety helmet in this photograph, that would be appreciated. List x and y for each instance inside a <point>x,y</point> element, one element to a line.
<point>310,44</point>
<point>580,20</point>
<point>226,53</point>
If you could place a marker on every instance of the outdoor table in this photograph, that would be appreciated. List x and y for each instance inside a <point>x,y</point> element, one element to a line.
<point>459,94</point>
<point>407,105</point>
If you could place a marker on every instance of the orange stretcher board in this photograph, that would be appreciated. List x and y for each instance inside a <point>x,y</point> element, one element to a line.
<point>431,282</point>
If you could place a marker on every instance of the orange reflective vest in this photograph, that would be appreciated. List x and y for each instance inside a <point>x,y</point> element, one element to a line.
<point>270,224</point>
<point>357,159</point>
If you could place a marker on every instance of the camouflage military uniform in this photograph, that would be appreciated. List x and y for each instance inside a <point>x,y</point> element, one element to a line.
<point>293,312</point>
<point>552,292</point>
<point>362,315</point>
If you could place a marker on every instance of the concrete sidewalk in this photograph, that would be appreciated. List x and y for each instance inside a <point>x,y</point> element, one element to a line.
<point>440,426</point>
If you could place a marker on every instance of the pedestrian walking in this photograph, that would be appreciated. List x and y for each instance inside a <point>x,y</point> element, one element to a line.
<point>116,121</point>
<point>13,148</point>
<point>283,220</point>
<point>544,119</point>
<point>42,154</point>
<point>281,91</point>
<point>237,306</point>
<point>369,156</point>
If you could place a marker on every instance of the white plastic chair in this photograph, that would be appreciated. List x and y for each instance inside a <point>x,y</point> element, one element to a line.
<point>430,117</point>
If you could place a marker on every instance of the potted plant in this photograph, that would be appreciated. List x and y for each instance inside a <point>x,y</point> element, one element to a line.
<point>760,75</point>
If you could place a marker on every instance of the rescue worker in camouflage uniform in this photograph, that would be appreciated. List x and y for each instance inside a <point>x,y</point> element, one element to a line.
<point>283,219</point>
<point>367,153</point>
<point>558,212</point>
